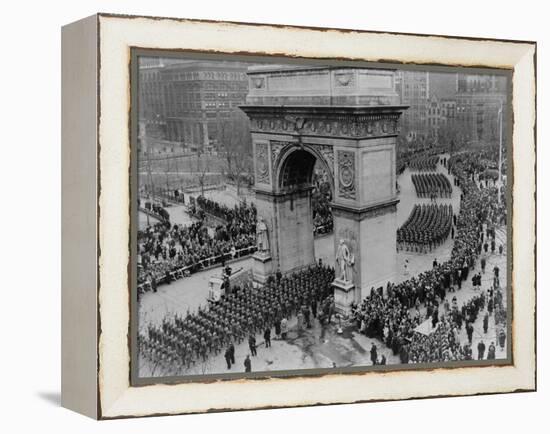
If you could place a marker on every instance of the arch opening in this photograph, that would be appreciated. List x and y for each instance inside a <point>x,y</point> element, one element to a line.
<point>297,171</point>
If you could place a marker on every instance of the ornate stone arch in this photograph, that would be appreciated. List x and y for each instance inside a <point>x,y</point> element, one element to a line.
<point>282,152</point>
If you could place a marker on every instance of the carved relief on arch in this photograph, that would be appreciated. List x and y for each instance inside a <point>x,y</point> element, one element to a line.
<point>262,164</point>
<point>346,174</point>
<point>327,154</point>
<point>276,148</point>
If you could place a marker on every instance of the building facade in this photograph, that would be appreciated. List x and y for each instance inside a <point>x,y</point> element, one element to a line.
<point>199,97</point>
<point>452,107</point>
<point>413,87</point>
<point>441,116</point>
<point>479,98</point>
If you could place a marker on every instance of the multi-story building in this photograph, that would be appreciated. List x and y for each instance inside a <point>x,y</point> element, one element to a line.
<point>435,116</point>
<point>151,102</point>
<point>462,108</point>
<point>199,97</point>
<point>479,98</point>
<point>183,103</point>
<point>413,88</point>
<point>442,126</point>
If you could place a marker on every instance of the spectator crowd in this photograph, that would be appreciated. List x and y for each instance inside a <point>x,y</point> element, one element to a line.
<point>168,252</point>
<point>394,317</point>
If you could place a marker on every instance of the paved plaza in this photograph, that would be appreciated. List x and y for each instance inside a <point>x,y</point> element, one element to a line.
<point>417,263</point>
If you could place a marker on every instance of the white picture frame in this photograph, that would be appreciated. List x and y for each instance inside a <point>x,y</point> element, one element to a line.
<point>96,219</point>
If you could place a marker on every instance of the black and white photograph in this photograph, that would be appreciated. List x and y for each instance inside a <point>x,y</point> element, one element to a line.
<point>301,217</point>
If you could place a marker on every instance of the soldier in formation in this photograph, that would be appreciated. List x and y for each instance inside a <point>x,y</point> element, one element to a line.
<point>186,341</point>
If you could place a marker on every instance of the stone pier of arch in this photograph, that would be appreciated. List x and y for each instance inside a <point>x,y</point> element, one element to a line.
<point>356,142</point>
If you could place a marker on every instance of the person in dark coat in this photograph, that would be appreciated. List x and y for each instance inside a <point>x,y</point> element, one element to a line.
<point>480,350</point>
<point>491,352</point>
<point>502,338</point>
<point>404,354</point>
<point>267,337</point>
<point>435,317</point>
<point>496,279</point>
<point>278,276</point>
<point>485,322</point>
<point>373,354</point>
<point>278,327</point>
<point>467,352</point>
<point>247,364</point>
<point>252,345</point>
<point>232,352</point>
<point>483,263</point>
<point>227,356</point>
<point>307,316</point>
<point>469,332</point>
<point>314,307</point>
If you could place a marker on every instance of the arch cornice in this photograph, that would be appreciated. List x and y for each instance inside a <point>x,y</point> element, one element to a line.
<point>352,122</point>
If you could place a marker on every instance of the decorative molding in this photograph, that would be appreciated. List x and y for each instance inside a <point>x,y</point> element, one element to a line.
<point>344,79</point>
<point>346,174</point>
<point>258,82</point>
<point>281,197</point>
<point>371,211</point>
<point>326,121</point>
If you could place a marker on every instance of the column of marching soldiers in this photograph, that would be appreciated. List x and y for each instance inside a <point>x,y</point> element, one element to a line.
<point>426,228</point>
<point>424,163</point>
<point>428,225</point>
<point>181,342</point>
<point>432,185</point>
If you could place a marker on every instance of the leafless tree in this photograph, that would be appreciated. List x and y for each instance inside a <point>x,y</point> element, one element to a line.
<point>202,169</point>
<point>236,142</point>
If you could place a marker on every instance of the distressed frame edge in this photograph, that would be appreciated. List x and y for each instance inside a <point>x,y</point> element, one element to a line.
<point>530,384</point>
